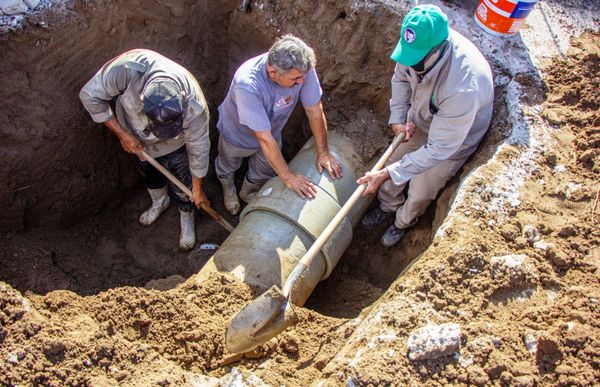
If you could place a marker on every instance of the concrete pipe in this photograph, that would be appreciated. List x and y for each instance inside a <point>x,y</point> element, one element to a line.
<point>278,227</point>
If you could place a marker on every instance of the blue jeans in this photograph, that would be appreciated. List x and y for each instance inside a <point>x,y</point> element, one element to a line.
<point>177,163</point>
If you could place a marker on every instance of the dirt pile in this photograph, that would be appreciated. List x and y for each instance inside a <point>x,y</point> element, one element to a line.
<point>134,336</point>
<point>523,279</point>
<point>102,339</point>
<point>573,103</point>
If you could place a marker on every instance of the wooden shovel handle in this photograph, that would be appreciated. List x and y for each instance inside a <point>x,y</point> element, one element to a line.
<point>208,209</point>
<point>337,219</point>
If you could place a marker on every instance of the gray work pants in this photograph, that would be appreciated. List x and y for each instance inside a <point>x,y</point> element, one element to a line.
<point>230,159</point>
<point>423,188</point>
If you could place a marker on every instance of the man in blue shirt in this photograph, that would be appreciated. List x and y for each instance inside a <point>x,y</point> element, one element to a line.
<point>261,98</point>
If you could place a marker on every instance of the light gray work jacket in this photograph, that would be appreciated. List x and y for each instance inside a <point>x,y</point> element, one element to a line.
<point>452,104</point>
<point>124,77</point>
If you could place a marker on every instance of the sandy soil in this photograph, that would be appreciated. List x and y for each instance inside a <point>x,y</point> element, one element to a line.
<point>533,324</point>
<point>74,309</point>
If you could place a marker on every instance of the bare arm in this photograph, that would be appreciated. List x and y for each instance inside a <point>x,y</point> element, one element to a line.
<point>198,195</point>
<point>197,145</point>
<point>373,180</point>
<point>128,141</point>
<point>297,183</point>
<point>318,126</point>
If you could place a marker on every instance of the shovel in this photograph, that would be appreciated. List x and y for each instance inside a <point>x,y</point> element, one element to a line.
<point>272,312</point>
<point>208,209</point>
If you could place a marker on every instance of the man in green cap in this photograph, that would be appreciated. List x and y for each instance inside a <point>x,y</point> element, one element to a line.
<point>442,98</point>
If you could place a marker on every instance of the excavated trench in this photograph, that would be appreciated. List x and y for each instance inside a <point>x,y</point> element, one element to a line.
<point>71,196</point>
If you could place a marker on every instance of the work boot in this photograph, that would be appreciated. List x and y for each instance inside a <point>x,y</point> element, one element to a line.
<point>230,197</point>
<point>249,190</point>
<point>160,202</point>
<point>375,217</point>
<point>392,236</point>
<point>187,238</point>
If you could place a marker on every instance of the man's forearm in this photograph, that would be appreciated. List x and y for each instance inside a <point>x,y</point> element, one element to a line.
<point>319,130</point>
<point>196,183</point>
<point>116,128</point>
<point>273,154</point>
<point>297,183</point>
<point>318,126</point>
<point>128,141</point>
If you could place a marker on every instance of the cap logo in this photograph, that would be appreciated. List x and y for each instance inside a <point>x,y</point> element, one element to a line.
<point>409,35</point>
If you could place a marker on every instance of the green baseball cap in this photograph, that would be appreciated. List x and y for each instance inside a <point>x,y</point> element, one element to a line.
<point>423,28</point>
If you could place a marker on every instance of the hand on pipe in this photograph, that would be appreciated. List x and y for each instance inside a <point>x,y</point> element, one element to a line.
<point>301,185</point>
<point>328,162</point>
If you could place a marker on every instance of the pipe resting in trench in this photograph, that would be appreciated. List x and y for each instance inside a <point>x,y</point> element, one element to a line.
<point>278,227</point>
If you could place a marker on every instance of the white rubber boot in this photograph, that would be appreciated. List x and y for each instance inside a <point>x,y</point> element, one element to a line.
<point>249,190</point>
<point>230,197</point>
<point>187,238</point>
<point>160,202</point>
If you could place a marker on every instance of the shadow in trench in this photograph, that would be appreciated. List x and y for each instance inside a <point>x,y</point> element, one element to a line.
<point>108,250</point>
<point>367,269</point>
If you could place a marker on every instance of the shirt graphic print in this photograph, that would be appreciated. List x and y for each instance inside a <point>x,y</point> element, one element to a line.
<point>284,102</point>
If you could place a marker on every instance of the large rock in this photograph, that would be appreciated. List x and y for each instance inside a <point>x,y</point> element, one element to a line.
<point>32,3</point>
<point>13,7</point>
<point>514,270</point>
<point>235,378</point>
<point>434,341</point>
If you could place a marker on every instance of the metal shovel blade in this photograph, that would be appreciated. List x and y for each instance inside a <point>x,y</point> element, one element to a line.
<point>257,322</point>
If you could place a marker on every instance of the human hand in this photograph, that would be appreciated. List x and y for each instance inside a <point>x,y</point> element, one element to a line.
<point>131,145</point>
<point>328,162</point>
<point>408,128</point>
<point>198,196</point>
<point>301,185</point>
<point>373,180</point>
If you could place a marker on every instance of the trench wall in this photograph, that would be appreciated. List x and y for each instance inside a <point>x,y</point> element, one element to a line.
<point>58,167</point>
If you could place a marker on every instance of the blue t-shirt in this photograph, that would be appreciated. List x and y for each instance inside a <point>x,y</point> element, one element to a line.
<point>256,103</point>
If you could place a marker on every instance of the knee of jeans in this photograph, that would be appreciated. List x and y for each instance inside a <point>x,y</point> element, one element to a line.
<point>219,163</point>
<point>181,196</point>
<point>154,182</point>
